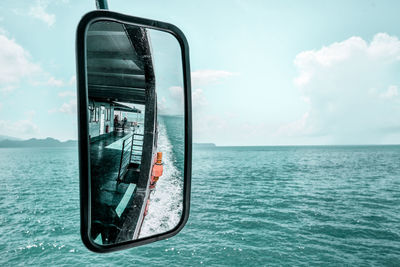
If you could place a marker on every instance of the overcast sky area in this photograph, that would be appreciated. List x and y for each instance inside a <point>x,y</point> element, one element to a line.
<point>263,72</point>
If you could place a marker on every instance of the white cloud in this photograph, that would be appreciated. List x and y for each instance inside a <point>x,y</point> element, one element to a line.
<point>205,123</point>
<point>54,82</point>
<point>19,129</point>
<point>177,93</point>
<point>15,64</point>
<point>296,127</point>
<point>69,107</point>
<point>51,81</point>
<point>391,92</point>
<point>198,98</point>
<point>171,103</point>
<point>7,89</point>
<point>72,81</point>
<point>162,105</point>
<point>227,128</point>
<point>30,114</point>
<point>203,77</point>
<point>348,86</point>
<point>67,94</point>
<point>38,11</point>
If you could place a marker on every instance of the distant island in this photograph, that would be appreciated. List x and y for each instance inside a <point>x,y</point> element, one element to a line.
<point>199,145</point>
<point>33,142</point>
<point>6,137</point>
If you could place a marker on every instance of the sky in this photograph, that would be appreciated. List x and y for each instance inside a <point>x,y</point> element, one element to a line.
<point>263,72</point>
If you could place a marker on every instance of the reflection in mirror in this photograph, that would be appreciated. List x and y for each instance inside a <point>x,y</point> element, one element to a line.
<point>136,131</point>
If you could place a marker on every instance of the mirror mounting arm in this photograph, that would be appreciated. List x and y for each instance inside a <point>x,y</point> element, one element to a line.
<point>101,4</point>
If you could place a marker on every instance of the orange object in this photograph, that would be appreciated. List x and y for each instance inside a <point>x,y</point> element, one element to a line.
<point>158,166</point>
<point>157,171</point>
<point>159,157</point>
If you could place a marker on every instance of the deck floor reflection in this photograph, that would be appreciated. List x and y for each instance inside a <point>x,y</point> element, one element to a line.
<point>109,199</point>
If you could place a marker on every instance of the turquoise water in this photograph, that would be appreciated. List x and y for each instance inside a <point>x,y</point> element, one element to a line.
<point>251,206</point>
<point>165,206</point>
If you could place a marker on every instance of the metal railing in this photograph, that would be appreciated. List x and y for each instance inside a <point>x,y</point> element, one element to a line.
<point>137,148</point>
<point>132,149</point>
<point>126,155</point>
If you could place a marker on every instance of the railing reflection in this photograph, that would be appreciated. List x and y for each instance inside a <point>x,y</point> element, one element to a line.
<point>126,155</point>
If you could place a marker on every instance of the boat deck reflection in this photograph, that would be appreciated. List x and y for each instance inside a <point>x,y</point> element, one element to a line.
<point>110,198</point>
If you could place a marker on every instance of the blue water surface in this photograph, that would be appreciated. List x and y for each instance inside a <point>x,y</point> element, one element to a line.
<point>251,206</point>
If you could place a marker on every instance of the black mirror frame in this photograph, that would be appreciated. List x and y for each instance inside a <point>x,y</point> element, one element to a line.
<point>83,139</point>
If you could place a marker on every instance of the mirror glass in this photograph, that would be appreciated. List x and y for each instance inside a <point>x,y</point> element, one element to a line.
<point>136,131</point>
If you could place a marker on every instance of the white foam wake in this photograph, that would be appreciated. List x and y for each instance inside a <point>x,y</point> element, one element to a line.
<point>165,206</point>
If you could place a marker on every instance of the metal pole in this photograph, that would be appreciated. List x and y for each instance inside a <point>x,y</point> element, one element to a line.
<point>120,163</point>
<point>101,4</point>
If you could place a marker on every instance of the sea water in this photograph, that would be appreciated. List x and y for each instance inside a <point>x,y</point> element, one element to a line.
<point>166,201</point>
<point>250,206</point>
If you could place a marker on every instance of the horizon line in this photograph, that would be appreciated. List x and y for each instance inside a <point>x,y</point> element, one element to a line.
<point>280,145</point>
<point>215,144</point>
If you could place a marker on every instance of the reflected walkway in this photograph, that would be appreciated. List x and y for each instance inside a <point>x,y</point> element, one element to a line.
<point>109,199</point>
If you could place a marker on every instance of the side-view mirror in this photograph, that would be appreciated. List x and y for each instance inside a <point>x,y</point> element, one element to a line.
<point>134,130</point>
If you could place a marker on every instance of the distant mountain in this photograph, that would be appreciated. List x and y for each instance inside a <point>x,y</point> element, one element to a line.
<point>6,137</point>
<point>48,142</point>
<point>199,145</point>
